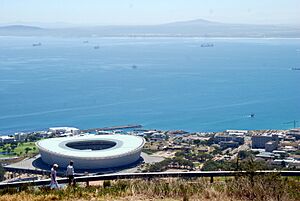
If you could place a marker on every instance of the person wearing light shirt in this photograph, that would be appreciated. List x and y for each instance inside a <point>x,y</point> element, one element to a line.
<point>54,183</point>
<point>70,173</point>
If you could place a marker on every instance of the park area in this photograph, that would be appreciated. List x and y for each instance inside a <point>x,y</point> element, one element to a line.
<point>20,149</point>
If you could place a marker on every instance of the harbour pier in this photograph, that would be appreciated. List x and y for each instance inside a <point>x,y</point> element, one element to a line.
<point>131,126</point>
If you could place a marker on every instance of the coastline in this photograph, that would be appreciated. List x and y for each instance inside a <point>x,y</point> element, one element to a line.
<point>141,127</point>
<point>153,36</point>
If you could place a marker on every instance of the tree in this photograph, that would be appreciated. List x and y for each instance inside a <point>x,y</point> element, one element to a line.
<point>27,149</point>
<point>180,154</point>
<point>33,138</point>
<point>217,151</point>
<point>160,166</point>
<point>210,141</point>
<point>283,163</point>
<point>13,146</point>
<point>253,165</point>
<point>244,154</point>
<point>211,165</point>
<point>1,173</point>
<point>197,142</point>
<point>8,150</point>
<point>204,156</point>
<point>296,152</point>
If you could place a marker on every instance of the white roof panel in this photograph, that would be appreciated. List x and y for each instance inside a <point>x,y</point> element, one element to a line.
<point>124,144</point>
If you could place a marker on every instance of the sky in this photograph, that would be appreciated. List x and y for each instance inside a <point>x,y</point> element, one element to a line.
<point>143,12</point>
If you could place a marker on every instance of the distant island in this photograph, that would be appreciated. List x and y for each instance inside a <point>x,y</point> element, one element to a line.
<point>192,28</point>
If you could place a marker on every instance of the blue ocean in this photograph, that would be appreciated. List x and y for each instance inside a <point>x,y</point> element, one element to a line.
<point>161,83</point>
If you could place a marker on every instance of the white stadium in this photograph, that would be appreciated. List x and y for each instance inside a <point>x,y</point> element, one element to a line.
<point>92,151</point>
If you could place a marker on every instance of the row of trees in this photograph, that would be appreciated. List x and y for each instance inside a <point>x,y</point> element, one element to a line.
<point>245,161</point>
<point>244,165</point>
<point>208,142</point>
<point>194,156</point>
<point>163,165</point>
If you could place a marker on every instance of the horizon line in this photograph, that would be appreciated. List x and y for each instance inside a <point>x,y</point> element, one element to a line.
<point>59,24</point>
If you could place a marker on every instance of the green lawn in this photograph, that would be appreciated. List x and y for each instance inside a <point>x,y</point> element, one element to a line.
<point>20,149</point>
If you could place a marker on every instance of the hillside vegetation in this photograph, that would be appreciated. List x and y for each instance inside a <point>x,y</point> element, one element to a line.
<point>258,188</point>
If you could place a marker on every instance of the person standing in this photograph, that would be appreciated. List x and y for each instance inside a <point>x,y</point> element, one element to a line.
<point>54,184</point>
<point>70,173</point>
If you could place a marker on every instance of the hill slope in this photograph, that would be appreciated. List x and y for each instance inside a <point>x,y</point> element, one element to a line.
<point>199,27</point>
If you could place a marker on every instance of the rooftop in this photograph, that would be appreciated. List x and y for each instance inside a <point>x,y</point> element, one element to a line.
<point>123,144</point>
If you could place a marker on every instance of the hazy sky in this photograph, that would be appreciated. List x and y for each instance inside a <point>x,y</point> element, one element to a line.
<point>104,12</point>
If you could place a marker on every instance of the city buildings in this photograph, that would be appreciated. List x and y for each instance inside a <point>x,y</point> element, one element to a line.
<point>259,141</point>
<point>230,138</point>
<point>294,133</point>
<point>64,131</point>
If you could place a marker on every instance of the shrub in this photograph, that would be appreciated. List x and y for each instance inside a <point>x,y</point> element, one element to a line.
<point>106,183</point>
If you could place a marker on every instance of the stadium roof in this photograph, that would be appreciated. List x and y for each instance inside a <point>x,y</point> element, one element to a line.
<point>125,144</point>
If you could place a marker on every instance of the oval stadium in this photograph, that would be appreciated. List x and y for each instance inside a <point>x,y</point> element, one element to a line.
<point>92,151</point>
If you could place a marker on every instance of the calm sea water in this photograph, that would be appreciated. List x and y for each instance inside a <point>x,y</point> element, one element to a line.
<point>177,84</point>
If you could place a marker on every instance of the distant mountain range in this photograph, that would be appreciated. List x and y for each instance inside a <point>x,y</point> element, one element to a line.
<point>193,28</point>
<point>19,28</point>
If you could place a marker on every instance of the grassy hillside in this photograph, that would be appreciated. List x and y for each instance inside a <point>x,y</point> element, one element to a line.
<point>259,188</point>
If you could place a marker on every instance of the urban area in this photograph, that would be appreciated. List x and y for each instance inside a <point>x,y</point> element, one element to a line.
<point>166,150</point>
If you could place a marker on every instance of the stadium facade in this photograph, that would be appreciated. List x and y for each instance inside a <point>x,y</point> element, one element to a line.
<point>92,151</point>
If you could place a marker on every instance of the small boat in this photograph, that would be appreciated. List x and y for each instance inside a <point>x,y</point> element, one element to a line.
<point>207,45</point>
<point>86,41</point>
<point>134,67</point>
<point>295,68</point>
<point>252,115</point>
<point>36,44</point>
<point>96,47</point>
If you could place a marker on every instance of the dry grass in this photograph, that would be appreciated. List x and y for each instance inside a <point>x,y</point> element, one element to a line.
<point>266,188</point>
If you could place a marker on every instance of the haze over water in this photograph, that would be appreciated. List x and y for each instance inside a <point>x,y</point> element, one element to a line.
<point>177,84</point>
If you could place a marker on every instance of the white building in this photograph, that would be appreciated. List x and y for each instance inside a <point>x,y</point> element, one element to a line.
<point>64,131</point>
<point>289,162</point>
<point>21,137</point>
<point>157,137</point>
<point>92,151</point>
<point>7,139</point>
<point>236,132</point>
